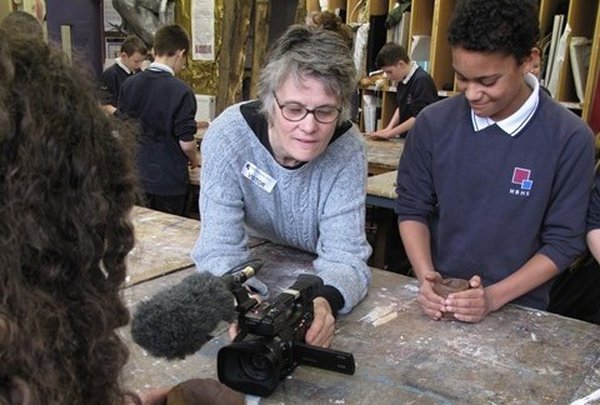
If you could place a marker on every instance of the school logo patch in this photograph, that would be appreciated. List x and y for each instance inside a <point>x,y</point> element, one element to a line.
<point>522,178</point>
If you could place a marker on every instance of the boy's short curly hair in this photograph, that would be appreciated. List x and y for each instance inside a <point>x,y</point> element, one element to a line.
<point>510,27</point>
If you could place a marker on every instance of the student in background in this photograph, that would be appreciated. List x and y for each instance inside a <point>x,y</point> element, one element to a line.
<point>148,59</point>
<point>22,21</point>
<point>494,183</point>
<point>332,22</point>
<point>165,106</point>
<point>291,168</point>
<point>133,53</point>
<point>585,295</point>
<point>67,188</point>
<point>575,292</point>
<point>536,67</point>
<point>415,90</point>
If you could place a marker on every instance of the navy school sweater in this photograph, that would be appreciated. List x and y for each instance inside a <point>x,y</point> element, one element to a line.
<point>166,108</point>
<point>492,201</point>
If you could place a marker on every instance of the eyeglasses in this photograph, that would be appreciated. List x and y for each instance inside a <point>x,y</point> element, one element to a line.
<point>296,112</point>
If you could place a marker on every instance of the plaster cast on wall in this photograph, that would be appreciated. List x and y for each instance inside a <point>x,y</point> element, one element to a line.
<point>144,17</point>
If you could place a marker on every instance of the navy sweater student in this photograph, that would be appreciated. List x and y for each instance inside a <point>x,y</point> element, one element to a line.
<point>166,108</point>
<point>133,53</point>
<point>493,184</point>
<point>415,90</point>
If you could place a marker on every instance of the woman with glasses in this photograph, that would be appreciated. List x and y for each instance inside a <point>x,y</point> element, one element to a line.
<point>290,167</point>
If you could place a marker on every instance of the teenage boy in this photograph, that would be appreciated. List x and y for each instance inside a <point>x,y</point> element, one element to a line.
<point>494,183</point>
<point>133,53</point>
<point>415,90</point>
<point>165,107</point>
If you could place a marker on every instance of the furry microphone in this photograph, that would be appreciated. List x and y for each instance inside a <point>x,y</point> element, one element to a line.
<point>177,321</point>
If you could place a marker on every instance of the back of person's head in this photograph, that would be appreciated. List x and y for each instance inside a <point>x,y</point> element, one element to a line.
<point>303,52</point>
<point>509,27</point>
<point>330,21</point>
<point>67,187</point>
<point>390,54</point>
<point>22,21</point>
<point>133,44</point>
<point>169,39</point>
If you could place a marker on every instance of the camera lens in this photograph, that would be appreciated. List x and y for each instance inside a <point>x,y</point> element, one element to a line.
<point>255,366</point>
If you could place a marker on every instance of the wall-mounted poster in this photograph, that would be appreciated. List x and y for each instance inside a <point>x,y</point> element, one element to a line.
<point>203,30</point>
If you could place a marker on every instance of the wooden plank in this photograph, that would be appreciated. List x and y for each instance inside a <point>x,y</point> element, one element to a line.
<point>262,20</point>
<point>440,57</point>
<point>383,155</point>
<point>515,355</point>
<point>224,58</point>
<point>310,5</point>
<point>5,8</point>
<point>593,73</point>
<point>237,49</point>
<point>163,243</point>
<point>383,185</point>
<point>233,51</point>
<point>381,194</point>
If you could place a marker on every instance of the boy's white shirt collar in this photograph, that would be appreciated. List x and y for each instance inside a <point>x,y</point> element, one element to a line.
<point>413,69</point>
<point>513,124</point>
<point>119,62</point>
<point>161,66</point>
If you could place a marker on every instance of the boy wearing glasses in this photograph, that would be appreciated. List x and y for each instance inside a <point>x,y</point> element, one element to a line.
<point>290,168</point>
<point>165,107</point>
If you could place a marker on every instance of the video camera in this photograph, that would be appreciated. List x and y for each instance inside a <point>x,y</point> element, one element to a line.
<point>270,343</point>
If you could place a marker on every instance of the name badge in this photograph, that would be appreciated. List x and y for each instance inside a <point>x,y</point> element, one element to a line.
<point>258,177</point>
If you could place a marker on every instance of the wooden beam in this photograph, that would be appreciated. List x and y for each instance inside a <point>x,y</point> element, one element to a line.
<point>228,33</point>
<point>238,51</point>
<point>5,8</point>
<point>309,5</point>
<point>262,18</point>
<point>304,8</point>
<point>236,23</point>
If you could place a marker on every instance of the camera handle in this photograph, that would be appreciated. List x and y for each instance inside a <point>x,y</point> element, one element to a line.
<point>244,304</point>
<point>324,358</point>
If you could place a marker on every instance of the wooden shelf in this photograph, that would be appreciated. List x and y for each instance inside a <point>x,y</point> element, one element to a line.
<point>431,17</point>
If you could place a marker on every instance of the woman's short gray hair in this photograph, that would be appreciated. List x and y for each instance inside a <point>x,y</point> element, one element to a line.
<point>309,52</point>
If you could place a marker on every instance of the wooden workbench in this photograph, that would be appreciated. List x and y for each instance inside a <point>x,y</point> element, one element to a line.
<point>381,194</point>
<point>381,189</point>
<point>515,355</point>
<point>383,155</point>
<point>163,243</point>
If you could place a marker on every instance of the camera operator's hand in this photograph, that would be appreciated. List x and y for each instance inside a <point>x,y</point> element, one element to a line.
<point>233,330</point>
<point>322,329</point>
<point>194,391</point>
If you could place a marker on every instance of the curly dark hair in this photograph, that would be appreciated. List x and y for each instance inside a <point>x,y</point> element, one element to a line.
<point>67,187</point>
<point>510,27</point>
<point>23,21</point>
<point>330,21</point>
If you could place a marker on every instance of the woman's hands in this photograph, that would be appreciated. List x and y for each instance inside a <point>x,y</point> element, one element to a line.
<point>321,331</point>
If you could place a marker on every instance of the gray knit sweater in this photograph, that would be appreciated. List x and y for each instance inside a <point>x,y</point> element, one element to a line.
<point>319,207</point>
